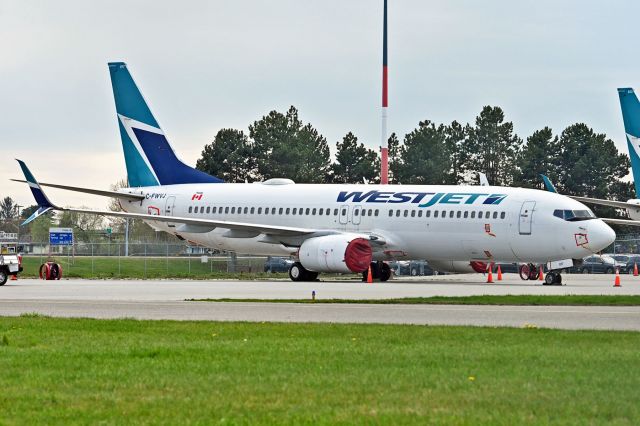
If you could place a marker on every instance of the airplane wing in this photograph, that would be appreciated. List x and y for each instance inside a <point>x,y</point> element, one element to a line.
<point>186,224</point>
<point>114,194</point>
<point>628,222</point>
<point>610,203</point>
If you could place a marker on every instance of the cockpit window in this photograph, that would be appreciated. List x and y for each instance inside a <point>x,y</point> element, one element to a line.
<point>574,215</point>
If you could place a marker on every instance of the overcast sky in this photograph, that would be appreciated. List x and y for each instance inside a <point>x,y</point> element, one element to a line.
<point>205,65</point>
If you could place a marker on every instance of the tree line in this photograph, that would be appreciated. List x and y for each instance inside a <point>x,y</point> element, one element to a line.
<point>578,161</point>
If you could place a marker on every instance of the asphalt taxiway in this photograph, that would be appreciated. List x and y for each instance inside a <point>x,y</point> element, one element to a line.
<point>166,299</point>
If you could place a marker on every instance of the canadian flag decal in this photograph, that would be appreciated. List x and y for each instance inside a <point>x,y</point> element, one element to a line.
<point>196,196</point>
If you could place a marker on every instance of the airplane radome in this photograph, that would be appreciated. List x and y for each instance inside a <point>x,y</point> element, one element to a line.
<point>334,228</point>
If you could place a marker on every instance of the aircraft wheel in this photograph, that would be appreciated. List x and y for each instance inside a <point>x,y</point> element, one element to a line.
<point>297,272</point>
<point>385,272</point>
<point>550,279</point>
<point>3,277</point>
<point>585,271</point>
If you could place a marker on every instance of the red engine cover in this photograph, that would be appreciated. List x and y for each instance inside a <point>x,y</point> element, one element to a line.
<point>358,255</point>
<point>479,267</point>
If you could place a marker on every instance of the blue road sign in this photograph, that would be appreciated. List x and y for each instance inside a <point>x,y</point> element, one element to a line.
<point>60,236</point>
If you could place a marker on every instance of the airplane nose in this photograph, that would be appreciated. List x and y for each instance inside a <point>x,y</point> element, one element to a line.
<point>600,235</point>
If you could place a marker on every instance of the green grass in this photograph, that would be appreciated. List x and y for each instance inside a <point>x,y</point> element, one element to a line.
<point>542,300</point>
<point>151,267</point>
<point>60,371</point>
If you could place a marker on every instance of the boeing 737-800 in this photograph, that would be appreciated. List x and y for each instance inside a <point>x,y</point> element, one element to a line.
<point>333,227</point>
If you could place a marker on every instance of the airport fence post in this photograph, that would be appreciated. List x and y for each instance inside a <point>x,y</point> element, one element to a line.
<point>189,259</point>
<point>92,267</point>
<point>119,267</point>
<point>167,260</point>
<point>145,260</point>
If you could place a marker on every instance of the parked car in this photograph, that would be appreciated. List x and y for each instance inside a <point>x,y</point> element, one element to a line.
<point>627,261</point>
<point>277,264</point>
<point>596,264</point>
<point>511,268</point>
<point>412,267</point>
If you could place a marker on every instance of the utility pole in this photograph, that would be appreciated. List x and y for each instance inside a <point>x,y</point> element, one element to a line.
<point>384,146</point>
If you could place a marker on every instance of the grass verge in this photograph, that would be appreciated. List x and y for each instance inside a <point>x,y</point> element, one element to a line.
<point>529,300</point>
<point>115,371</point>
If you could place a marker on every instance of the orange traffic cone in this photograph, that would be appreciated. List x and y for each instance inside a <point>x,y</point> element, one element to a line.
<point>541,274</point>
<point>14,278</point>
<point>369,276</point>
<point>499,273</point>
<point>490,277</point>
<point>635,269</point>
<point>616,283</point>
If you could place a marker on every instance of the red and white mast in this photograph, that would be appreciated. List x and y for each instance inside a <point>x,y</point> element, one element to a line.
<point>384,146</point>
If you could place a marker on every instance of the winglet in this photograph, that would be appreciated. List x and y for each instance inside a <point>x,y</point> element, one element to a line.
<point>483,179</point>
<point>44,205</point>
<point>548,184</point>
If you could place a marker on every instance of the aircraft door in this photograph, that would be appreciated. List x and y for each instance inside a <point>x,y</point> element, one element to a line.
<point>355,215</point>
<point>526,216</point>
<point>168,209</point>
<point>344,214</point>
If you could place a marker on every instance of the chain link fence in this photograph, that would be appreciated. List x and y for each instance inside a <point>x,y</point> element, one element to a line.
<point>139,260</point>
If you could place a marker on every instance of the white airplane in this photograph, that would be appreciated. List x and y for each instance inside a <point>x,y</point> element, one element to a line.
<point>631,117</point>
<point>334,228</point>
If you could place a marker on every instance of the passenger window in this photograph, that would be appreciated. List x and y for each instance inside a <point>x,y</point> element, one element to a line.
<point>266,210</point>
<point>213,209</point>
<point>419,213</point>
<point>208,209</point>
<point>413,213</point>
<point>444,214</point>
<point>246,210</point>
<point>253,210</point>
<point>428,213</point>
<point>190,209</point>
<point>390,213</point>
<point>259,210</point>
<point>435,213</point>
<point>335,212</point>
<point>280,211</point>
<point>473,215</point>
<point>451,214</point>
<point>273,210</point>
<point>226,210</point>
<point>502,215</point>
<point>288,210</point>
<point>406,213</point>
<point>313,212</point>
<point>355,212</point>
<point>376,212</point>
<point>294,211</point>
<point>459,214</point>
<point>495,215</point>
<point>398,213</point>
<point>466,214</point>
<point>344,212</point>
<point>233,210</point>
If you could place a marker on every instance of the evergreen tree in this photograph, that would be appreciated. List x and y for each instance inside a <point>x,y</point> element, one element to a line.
<point>538,156</point>
<point>395,162</point>
<point>229,157</point>
<point>492,147</point>
<point>287,148</point>
<point>455,135</point>
<point>8,209</point>
<point>354,162</point>
<point>588,164</point>
<point>424,156</point>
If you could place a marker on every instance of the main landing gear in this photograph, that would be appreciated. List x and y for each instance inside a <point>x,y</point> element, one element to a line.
<point>553,278</point>
<point>298,273</point>
<point>380,271</point>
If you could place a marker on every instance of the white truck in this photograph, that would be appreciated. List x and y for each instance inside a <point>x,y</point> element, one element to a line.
<point>10,264</point>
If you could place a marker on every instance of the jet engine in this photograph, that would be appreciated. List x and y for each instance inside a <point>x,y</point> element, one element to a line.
<point>336,253</point>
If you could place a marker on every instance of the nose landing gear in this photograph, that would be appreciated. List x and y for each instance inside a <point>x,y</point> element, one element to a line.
<point>532,272</point>
<point>553,278</point>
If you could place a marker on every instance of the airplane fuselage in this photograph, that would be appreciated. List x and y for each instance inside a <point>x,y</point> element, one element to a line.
<point>458,223</point>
